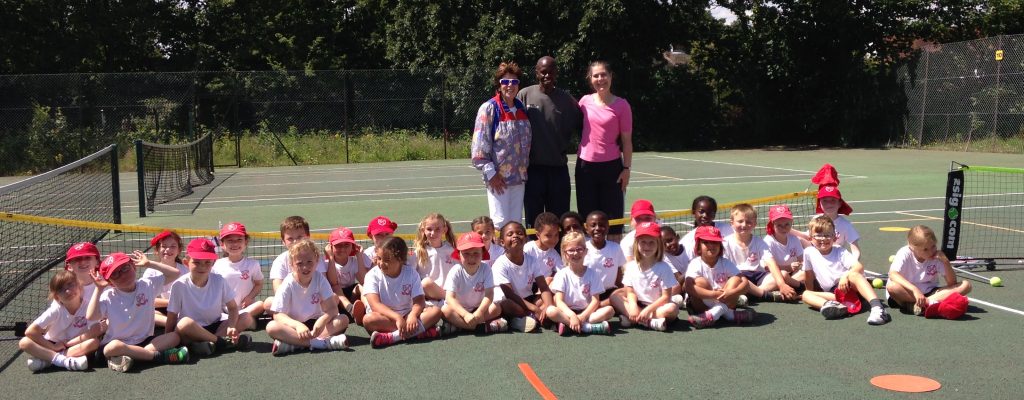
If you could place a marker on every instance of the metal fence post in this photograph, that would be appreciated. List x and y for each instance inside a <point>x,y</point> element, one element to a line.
<point>346,84</point>
<point>444,116</point>
<point>995,111</point>
<point>140,170</point>
<point>924,101</point>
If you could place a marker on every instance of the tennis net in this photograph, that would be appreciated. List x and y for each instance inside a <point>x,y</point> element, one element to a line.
<point>169,172</point>
<point>984,214</point>
<point>85,190</point>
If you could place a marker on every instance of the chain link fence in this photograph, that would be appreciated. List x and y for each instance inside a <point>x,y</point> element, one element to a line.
<point>966,96</point>
<point>48,120</point>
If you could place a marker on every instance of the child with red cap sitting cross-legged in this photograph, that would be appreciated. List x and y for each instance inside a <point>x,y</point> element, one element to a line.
<point>714,284</point>
<point>647,283</point>
<point>469,287</point>
<point>243,274</point>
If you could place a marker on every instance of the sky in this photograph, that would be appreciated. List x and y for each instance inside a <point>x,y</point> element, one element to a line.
<point>722,13</point>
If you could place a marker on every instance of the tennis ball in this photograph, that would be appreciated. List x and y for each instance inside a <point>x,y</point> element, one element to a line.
<point>996,281</point>
<point>878,283</point>
<point>892,257</point>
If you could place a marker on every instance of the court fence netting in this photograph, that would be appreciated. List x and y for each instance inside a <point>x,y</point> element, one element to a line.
<point>170,172</point>
<point>983,222</point>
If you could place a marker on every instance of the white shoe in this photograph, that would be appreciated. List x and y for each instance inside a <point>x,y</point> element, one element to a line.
<point>79,363</point>
<point>337,342</point>
<point>624,321</point>
<point>280,348</point>
<point>36,364</point>
<point>833,310</point>
<point>524,324</point>
<point>120,363</point>
<point>658,324</point>
<point>498,325</point>
<point>878,316</point>
<point>679,300</point>
<point>742,301</point>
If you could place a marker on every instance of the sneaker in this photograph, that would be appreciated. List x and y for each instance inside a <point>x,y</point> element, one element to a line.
<point>563,329</point>
<point>776,296</point>
<point>624,321</point>
<point>429,333</point>
<point>380,339</point>
<point>878,316</point>
<point>742,301</point>
<point>918,310</point>
<point>743,316</point>
<point>658,324</point>
<point>37,364</point>
<point>79,363</point>
<point>833,310</point>
<point>448,328</point>
<point>358,312</point>
<point>120,363</point>
<point>498,325</point>
<point>524,324</point>
<point>678,300</point>
<point>601,328</point>
<point>178,355</point>
<point>243,342</point>
<point>701,321</point>
<point>201,348</point>
<point>280,348</point>
<point>338,342</point>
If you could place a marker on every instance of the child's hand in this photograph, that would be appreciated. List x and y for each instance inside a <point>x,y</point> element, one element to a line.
<point>788,293</point>
<point>232,333</point>
<point>247,301</point>
<point>100,282</point>
<point>574,323</point>
<point>645,316</point>
<point>318,328</point>
<point>303,332</point>
<point>329,252</point>
<point>795,266</point>
<point>920,300</point>
<point>139,258</point>
<point>411,323</point>
<point>584,316</point>
<point>103,326</point>
<point>844,284</point>
<point>470,319</point>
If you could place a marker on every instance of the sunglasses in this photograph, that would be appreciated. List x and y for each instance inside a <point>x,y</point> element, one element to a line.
<point>509,82</point>
<point>824,237</point>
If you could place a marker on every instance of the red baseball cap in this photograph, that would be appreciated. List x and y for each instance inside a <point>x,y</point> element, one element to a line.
<point>708,233</point>
<point>344,235</point>
<point>827,175</point>
<point>833,191</point>
<point>952,307</point>
<point>849,298</point>
<point>381,224</point>
<point>468,241</point>
<point>160,236</point>
<point>648,229</point>
<point>83,249</point>
<point>641,207</point>
<point>112,263</point>
<point>233,228</point>
<point>202,249</point>
<point>776,212</point>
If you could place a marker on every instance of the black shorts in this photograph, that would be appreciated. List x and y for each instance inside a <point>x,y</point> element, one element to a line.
<point>349,292</point>
<point>531,298</point>
<point>161,310</point>
<point>212,328</point>
<point>754,276</point>
<point>310,322</point>
<point>607,293</point>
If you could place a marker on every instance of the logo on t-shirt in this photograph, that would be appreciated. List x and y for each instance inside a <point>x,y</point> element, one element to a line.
<point>406,290</point>
<point>345,276</point>
<point>608,262</point>
<point>656,282</point>
<point>80,322</point>
<point>315,299</point>
<point>549,261</point>
<point>141,300</point>
<point>479,287</point>
<point>245,275</point>
<point>792,252</point>
<point>752,258</point>
<point>721,278</point>
<point>931,270</point>
<point>448,260</point>
<point>586,290</point>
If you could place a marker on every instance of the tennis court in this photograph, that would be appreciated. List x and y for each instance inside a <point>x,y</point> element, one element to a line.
<point>789,349</point>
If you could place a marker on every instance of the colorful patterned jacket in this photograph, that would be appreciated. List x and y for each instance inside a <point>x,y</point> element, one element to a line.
<point>501,141</point>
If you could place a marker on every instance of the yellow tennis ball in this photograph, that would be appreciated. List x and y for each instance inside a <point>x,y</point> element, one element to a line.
<point>878,283</point>
<point>892,257</point>
<point>996,281</point>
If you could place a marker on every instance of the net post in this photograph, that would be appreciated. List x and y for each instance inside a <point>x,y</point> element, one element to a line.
<point>952,213</point>
<point>115,182</point>
<point>140,170</point>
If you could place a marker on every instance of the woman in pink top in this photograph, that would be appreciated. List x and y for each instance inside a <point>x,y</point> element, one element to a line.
<point>606,148</point>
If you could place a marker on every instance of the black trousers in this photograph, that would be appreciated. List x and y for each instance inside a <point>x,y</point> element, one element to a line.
<point>547,189</point>
<point>597,189</point>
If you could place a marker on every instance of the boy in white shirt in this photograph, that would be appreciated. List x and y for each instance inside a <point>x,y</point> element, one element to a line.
<point>293,230</point>
<point>604,256</point>
<point>305,307</point>
<point>753,258</point>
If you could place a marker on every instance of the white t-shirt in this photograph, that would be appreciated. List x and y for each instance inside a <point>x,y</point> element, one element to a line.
<point>785,254</point>
<point>626,244</point>
<point>688,241</point>
<point>202,304</point>
<point>678,262</point>
<point>716,276</point>
<point>549,260</point>
<point>751,258</point>
<point>469,289</point>
<point>130,314</point>
<point>521,277</point>
<point>494,251</point>
<point>606,262</point>
<point>60,325</point>
<point>397,293</point>
<point>828,268</point>
<point>347,271</point>
<point>302,303</point>
<point>165,292</point>
<point>648,284</point>
<point>924,275</point>
<point>439,263</point>
<point>577,290</point>
<point>282,266</point>
<point>845,232</point>
<point>239,276</point>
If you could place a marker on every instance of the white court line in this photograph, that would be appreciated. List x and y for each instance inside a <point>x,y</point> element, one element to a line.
<point>973,299</point>
<point>1000,228</point>
<point>754,166</point>
<point>343,181</point>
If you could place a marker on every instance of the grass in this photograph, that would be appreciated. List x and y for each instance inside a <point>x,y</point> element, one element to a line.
<point>987,144</point>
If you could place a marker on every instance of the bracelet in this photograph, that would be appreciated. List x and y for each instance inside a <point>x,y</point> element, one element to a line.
<point>625,167</point>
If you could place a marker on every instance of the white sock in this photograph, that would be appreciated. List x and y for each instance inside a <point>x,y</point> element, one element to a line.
<point>730,314</point>
<point>60,360</point>
<point>395,336</point>
<point>318,343</point>
<point>717,310</point>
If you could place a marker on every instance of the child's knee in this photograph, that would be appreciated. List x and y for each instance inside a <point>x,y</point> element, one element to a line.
<point>25,343</point>
<point>551,311</point>
<point>965,287</point>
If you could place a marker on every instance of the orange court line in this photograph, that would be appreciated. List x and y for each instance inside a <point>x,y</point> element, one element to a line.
<point>538,385</point>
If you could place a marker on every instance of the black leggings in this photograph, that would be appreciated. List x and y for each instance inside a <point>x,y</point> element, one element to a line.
<point>597,189</point>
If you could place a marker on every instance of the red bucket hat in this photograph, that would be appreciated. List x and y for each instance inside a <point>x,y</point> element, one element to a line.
<point>849,298</point>
<point>827,175</point>
<point>345,235</point>
<point>952,307</point>
<point>776,212</point>
<point>832,191</point>
<point>708,233</point>
<point>641,207</point>
<point>468,241</point>
<point>112,263</point>
<point>381,224</point>
<point>202,249</point>
<point>233,228</point>
<point>83,249</point>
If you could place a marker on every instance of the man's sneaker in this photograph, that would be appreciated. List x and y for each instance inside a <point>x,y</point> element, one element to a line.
<point>177,355</point>
<point>658,324</point>
<point>429,333</point>
<point>678,300</point>
<point>524,324</point>
<point>80,363</point>
<point>201,348</point>
<point>878,316</point>
<point>624,321</point>
<point>498,325</point>
<point>600,328</point>
<point>381,339</point>
<point>701,321</point>
<point>37,364</point>
<point>833,310</point>
<point>280,348</point>
<point>448,328</point>
<point>563,329</point>
<point>743,316</point>
<point>358,311</point>
<point>337,342</point>
<point>120,363</point>
<point>742,301</point>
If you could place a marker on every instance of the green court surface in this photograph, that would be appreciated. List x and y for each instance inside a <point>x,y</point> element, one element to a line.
<point>790,351</point>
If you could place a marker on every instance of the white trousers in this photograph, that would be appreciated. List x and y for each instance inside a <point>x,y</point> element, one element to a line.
<point>507,206</point>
